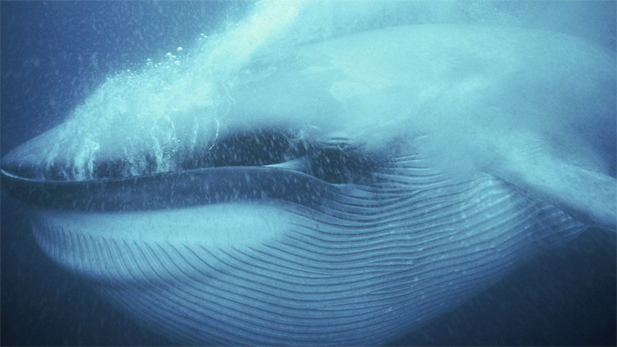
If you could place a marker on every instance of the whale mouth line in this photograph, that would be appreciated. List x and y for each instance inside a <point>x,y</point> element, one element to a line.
<point>170,190</point>
<point>301,172</point>
<point>333,161</point>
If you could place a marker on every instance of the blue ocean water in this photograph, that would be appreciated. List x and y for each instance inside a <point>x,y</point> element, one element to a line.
<point>55,54</point>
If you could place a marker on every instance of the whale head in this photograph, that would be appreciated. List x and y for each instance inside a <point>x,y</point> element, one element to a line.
<point>338,192</point>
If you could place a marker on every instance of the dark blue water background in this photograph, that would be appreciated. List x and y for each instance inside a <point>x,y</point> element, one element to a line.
<point>54,54</point>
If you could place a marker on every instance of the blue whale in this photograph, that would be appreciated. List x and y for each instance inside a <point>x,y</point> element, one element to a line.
<point>344,192</point>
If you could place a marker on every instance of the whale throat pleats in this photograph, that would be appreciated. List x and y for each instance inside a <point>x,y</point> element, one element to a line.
<point>347,271</point>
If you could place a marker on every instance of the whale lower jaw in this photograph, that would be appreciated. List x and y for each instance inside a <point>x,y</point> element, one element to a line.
<point>365,265</point>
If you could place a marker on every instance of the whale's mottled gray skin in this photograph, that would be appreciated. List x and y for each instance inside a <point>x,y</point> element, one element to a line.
<point>357,188</point>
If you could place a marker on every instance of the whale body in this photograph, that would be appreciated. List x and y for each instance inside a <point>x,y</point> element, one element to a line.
<point>345,192</point>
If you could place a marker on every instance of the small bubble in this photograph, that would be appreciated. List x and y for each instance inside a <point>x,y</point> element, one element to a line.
<point>179,49</point>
